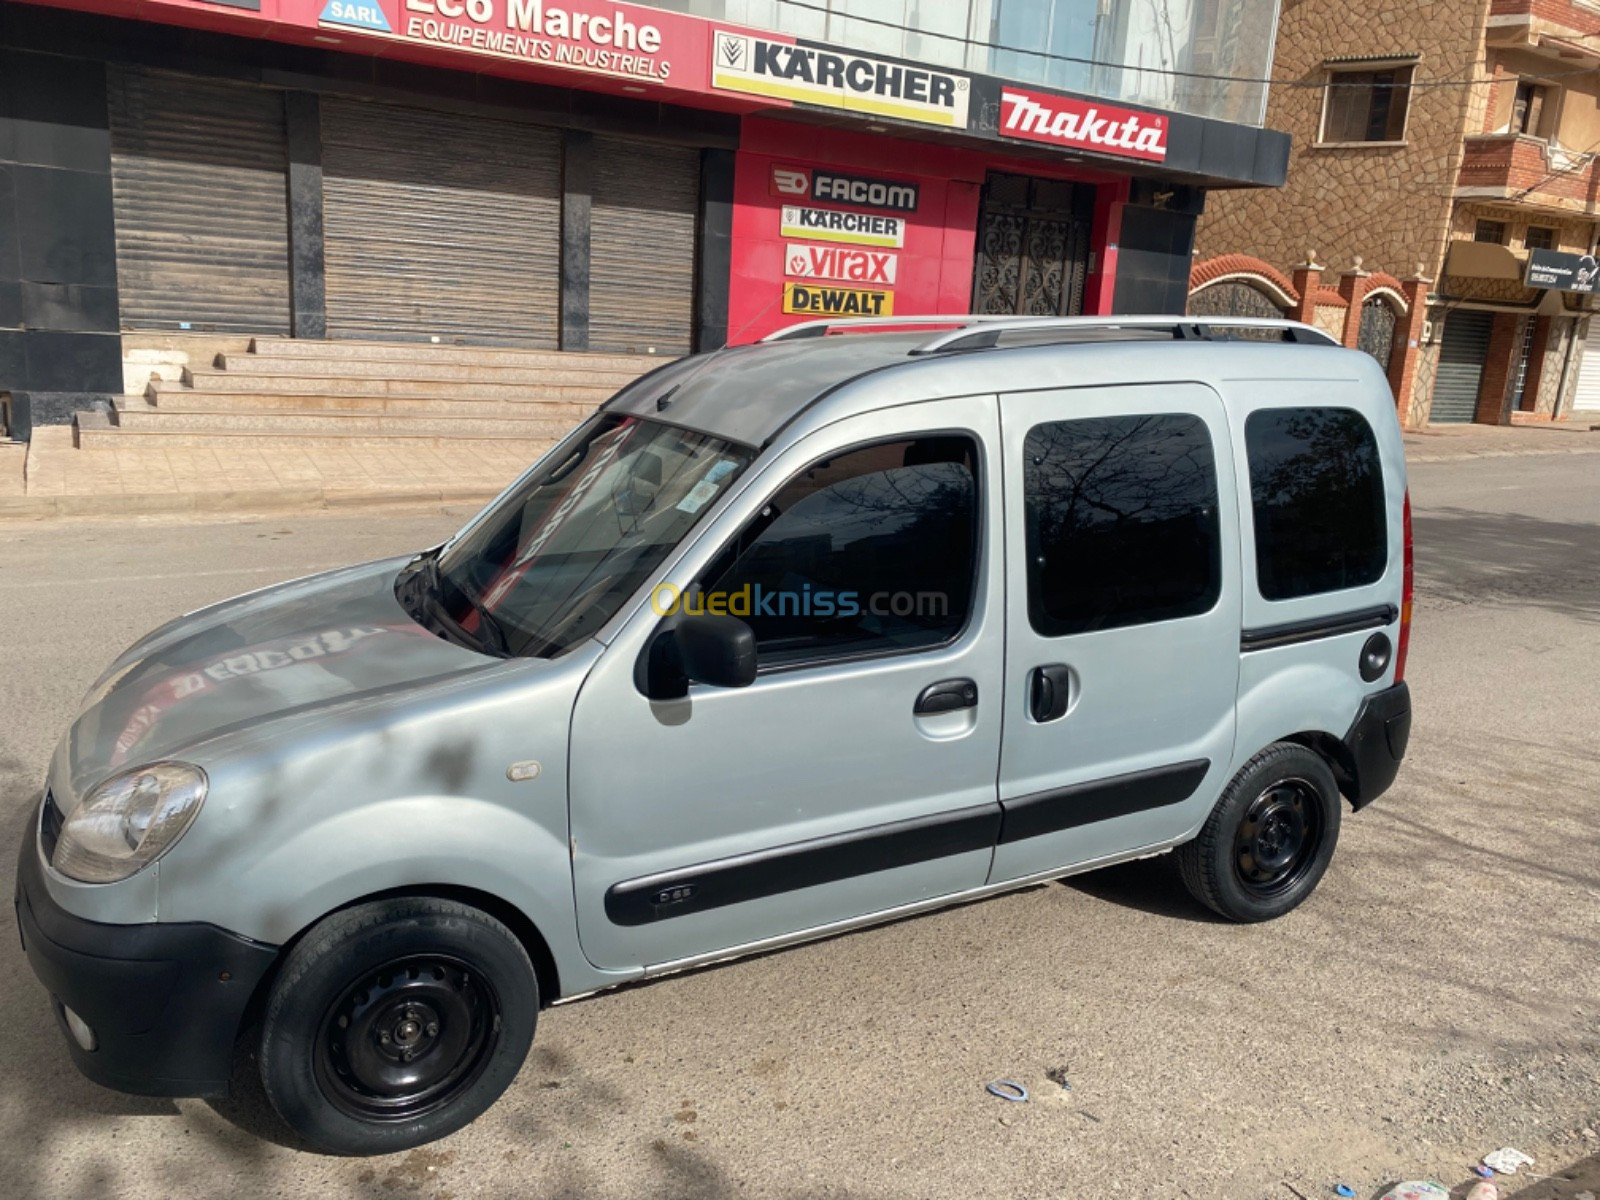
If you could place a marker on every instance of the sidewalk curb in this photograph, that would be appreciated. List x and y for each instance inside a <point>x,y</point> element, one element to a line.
<point>1463,455</point>
<point>117,504</point>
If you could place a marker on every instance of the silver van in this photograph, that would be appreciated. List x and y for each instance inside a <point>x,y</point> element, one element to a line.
<point>864,620</point>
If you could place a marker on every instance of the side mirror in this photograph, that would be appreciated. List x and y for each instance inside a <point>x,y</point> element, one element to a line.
<point>719,651</point>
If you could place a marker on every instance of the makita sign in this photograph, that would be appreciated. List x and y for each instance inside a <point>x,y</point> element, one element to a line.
<point>1082,125</point>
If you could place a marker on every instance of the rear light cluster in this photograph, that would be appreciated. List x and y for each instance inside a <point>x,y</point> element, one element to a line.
<point>1406,590</point>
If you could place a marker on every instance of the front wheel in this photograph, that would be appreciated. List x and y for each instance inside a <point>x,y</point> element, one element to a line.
<point>395,1023</point>
<point>1266,844</point>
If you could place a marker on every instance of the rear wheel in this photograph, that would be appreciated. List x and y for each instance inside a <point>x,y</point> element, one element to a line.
<point>395,1023</point>
<point>1269,839</point>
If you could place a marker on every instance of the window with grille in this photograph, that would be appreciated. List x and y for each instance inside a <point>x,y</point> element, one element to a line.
<point>1539,237</point>
<point>1367,106</point>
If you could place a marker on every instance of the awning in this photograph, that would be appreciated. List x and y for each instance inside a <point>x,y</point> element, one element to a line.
<point>1482,260</point>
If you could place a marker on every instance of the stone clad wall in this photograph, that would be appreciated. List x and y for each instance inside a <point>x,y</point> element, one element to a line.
<point>1389,205</point>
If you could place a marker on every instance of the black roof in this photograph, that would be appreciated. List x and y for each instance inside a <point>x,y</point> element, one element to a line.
<point>748,393</point>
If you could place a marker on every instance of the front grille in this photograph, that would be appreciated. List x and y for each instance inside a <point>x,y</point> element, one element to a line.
<point>50,820</point>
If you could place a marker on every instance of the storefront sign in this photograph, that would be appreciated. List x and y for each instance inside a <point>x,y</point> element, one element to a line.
<point>1082,125</point>
<point>808,73</point>
<point>804,183</point>
<point>836,262</point>
<point>851,228</point>
<point>805,299</point>
<point>582,35</point>
<point>1561,272</point>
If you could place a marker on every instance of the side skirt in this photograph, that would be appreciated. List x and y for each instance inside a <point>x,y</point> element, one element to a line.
<point>783,941</point>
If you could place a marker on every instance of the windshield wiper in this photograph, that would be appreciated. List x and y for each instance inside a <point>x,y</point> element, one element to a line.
<point>490,633</point>
<point>490,638</point>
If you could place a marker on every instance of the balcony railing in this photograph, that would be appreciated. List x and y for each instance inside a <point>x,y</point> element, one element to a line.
<point>1557,28</point>
<point>1525,170</point>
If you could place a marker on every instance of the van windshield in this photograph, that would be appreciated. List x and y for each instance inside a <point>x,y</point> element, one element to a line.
<point>556,558</point>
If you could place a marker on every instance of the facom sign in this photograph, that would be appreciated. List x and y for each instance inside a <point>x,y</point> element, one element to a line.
<point>808,183</point>
<point>1082,125</point>
<point>807,73</point>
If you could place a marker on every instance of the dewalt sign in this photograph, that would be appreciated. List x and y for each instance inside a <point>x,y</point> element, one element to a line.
<point>809,300</point>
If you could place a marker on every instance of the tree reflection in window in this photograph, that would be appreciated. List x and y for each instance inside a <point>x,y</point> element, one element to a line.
<point>1122,522</point>
<point>1316,487</point>
<point>890,527</point>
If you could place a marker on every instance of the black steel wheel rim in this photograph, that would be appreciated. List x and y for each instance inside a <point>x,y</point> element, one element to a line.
<point>407,1039</point>
<point>1278,838</point>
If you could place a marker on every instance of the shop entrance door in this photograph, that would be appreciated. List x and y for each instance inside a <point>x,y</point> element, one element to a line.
<point>1033,247</point>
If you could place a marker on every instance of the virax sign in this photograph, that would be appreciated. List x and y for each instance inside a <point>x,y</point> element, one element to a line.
<point>834,262</point>
<point>805,299</point>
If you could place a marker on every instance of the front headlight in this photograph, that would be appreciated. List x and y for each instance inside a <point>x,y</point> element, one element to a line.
<point>129,821</point>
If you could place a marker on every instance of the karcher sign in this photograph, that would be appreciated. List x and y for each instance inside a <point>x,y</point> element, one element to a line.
<point>851,228</point>
<point>809,300</point>
<point>809,74</point>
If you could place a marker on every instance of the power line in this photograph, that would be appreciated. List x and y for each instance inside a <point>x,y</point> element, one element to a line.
<point>1052,56</point>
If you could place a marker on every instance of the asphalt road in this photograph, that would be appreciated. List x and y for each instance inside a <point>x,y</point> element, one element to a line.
<point>1437,998</point>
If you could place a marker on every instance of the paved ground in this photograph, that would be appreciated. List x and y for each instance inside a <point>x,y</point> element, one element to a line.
<point>1436,999</point>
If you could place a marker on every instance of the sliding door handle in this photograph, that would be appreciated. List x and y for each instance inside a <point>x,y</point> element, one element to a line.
<point>1049,692</point>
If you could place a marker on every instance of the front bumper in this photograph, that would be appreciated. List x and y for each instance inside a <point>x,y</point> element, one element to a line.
<point>1377,742</point>
<point>165,1001</point>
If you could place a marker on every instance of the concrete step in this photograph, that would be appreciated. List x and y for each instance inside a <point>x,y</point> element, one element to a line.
<point>182,399</point>
<point>335,385</point>
<point>419,352</point>
<point>339,424</point>
<point>111,436</point>
<point>444,372</point>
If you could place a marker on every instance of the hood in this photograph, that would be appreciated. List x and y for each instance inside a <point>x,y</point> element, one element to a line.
<point>312,642</point>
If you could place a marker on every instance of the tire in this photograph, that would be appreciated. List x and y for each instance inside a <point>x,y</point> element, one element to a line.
<point>1269,839</point>
<point>395,1023</point>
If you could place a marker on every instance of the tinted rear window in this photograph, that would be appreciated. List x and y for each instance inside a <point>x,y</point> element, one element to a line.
<point>1316,485</point>
<point>1121,522</point>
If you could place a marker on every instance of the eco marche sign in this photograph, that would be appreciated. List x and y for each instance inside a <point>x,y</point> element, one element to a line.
<point>1082,125</point>
<point>851,228</point>
<point>582,35</point>
<point>836,262</point>
<point>814,74</point>
<point>812,301</point>
<point>806,183</point>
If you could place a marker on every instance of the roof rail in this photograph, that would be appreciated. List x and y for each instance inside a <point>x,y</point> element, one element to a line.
<point>983,332</point>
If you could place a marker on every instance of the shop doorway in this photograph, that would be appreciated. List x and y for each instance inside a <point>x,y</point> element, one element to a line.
<point>1462,354</point>
<point>1033,247</point>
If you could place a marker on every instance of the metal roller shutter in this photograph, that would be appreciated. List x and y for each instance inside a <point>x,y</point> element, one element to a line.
<point>198,173</point>
<point>643,217</point>
<point>1586,396</point>
<point>1461,359</point>
<point>440,225</point>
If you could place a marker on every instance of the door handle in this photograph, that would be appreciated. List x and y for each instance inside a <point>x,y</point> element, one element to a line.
<point>946,696</point>
<point>1049,692</point>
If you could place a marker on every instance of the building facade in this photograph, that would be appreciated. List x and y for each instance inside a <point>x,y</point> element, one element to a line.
<point>1440,209</point>
<point>597,176</point>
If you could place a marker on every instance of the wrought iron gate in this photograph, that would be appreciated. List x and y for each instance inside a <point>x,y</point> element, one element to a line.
<point>1033,247</point>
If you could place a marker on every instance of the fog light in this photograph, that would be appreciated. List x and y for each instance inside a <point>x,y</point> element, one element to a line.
<point>81,1033</point>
